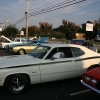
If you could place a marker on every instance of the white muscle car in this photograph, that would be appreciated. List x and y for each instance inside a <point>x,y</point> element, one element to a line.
<point>17,72</point>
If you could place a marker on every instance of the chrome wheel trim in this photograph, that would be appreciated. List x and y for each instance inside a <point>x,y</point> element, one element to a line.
<point>21,52</point>
<point>17,84</point>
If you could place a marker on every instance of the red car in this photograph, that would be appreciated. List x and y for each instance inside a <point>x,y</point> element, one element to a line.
<point>91,79</point>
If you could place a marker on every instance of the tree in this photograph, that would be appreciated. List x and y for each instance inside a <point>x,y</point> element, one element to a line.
<point>69,29</point>
<point>97,26</point>
<point>10,31</point>
<point>57,35</point>
<point>45,28</point>
<point>32,31</point>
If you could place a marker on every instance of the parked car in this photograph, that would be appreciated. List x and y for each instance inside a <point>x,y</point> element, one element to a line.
<point>87,44</point>
<point>22,41</point>
<point>6,41</point>
<point>18,44</point>
<point>91,78</point>
<point>39,66</point>
<point>23,48</point>
<point>84,43</point>
<point>90,46</point>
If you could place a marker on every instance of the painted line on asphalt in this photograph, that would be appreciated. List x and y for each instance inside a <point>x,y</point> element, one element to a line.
<point>76,93</point>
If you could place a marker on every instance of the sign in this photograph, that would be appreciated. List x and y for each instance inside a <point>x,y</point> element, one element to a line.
<point>22,33</point>
<point>89,27</point>
<point>0,29</point>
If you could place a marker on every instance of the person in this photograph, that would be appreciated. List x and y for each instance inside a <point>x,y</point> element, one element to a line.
<point>59,54</point>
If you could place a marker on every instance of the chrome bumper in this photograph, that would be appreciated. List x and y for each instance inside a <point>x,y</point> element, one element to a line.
<point>92,88</point>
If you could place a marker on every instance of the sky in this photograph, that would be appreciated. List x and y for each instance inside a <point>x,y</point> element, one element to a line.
<point>77,11</point>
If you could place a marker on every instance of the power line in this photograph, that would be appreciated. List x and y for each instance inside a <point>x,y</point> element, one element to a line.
<point>34,13</point>
<point>35,9</point>
<point>51,8</point>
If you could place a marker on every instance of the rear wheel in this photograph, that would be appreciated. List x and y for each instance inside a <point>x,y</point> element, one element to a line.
<point>21,52</point>
<point>16,83</point>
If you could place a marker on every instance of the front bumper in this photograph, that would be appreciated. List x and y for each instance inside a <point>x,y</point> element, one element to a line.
<point>92,88</point>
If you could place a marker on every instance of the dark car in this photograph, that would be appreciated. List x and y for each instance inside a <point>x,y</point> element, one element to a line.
<point>87,44</point>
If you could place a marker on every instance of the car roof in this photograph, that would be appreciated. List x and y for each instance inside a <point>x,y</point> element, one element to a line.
<point>61,45</point>
<point>85,49</point>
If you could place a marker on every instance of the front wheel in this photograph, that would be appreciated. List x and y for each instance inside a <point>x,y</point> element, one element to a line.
<point>16,83</point>
<point>21,52</point>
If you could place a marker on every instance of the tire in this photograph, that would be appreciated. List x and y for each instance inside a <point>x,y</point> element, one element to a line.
<point>16,83</point>
<point>21,52</point>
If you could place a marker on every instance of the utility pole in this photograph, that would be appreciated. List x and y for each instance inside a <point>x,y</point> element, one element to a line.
<point>26,13</point>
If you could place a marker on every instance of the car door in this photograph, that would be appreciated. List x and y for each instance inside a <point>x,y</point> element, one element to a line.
<point>57,69</point>
<point>81,60</point>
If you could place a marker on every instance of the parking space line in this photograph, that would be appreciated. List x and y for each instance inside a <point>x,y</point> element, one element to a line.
<point>76,93</point>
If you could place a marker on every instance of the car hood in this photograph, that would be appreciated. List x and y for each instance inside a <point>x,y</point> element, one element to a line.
<point>6,38</point>
<point>95,72</point>
<point>17,60</point>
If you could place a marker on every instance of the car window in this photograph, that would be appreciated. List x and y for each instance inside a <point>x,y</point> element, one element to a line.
<point>66,50</point>
<point>35,41</point>
<point>77,52</point>
<point>17,40</point>
<point>24,40</point>
<point>39,51</point>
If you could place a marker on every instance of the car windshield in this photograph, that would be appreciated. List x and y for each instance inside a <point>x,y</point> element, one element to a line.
<point>40,51</point>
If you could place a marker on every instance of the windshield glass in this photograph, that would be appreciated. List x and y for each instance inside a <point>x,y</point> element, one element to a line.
<point>39,51</point>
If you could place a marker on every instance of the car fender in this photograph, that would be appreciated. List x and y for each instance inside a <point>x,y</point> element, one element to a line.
<point>93,66</point>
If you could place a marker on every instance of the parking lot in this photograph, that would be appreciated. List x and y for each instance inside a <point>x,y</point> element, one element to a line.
<point>69,89</point>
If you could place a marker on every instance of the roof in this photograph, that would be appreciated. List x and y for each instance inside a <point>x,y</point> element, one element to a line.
<point>88,51</point>
<point>61,45</point>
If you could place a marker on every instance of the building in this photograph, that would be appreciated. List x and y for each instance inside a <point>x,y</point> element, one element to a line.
<point>80,36</point>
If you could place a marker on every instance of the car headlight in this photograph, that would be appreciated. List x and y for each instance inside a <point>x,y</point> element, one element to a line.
<point>87,78</point>
<point>94,81</point>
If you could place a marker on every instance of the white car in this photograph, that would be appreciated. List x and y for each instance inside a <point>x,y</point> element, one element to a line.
<point>17,72</point>
<point>6,41</point>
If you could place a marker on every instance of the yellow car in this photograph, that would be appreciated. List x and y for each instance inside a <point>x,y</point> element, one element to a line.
<point>22,49</point>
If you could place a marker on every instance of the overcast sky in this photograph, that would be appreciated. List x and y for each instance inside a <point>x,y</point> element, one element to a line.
<point>88,10</point>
